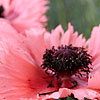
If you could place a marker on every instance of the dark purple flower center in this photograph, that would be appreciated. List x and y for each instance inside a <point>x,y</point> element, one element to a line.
<point>66,61</point>
<point>1,11</point>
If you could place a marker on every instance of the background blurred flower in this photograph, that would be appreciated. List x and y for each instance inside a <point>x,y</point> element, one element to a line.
<point>20,72</point>
<point>24,14</point>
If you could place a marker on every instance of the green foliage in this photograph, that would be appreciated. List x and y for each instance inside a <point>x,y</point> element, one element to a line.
<point>86,99</point>
<point>83,14</point>
<point>69,98</point>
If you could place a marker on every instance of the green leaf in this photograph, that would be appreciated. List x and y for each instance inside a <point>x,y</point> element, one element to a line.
<point>69,98</point>
<point>86,98</point>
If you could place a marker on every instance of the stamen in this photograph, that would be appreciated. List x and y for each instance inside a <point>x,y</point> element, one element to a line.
<point>66,61</point>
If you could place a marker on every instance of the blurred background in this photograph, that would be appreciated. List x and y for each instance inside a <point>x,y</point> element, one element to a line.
<point>83,14</point>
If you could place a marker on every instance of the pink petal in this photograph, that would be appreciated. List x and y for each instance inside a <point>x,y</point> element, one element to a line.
<point>9,38</point>
<point>38,46</point>
<point>78,93</point>
<point>94,81</point>
<point>94,42</point>
<point>56,36</point>
<point>65,40</point>
<point>72,38</point>
<point>11,41</point>
<point>47,39</point>
<point>79,41</point>
<point>21,78</point>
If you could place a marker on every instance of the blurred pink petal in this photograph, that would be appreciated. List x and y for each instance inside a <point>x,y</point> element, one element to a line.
<point>24,14</point>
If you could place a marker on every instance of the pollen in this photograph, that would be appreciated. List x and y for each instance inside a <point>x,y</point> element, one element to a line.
<point>66,61</point>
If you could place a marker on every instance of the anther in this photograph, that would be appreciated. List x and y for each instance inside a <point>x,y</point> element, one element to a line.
<point>67,61</point>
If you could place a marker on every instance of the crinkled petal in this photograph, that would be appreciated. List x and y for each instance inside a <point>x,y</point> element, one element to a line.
<point>65,40</point>
<point>78,93</point>
<point>79,41</point>
<point>72,38</point>
<point>56,36</point>
<point>94,42</point>
<point>94,50</point>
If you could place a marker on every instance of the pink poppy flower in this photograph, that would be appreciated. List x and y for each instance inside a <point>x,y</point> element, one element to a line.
<point>21,76</point>
<point>24,14</point>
